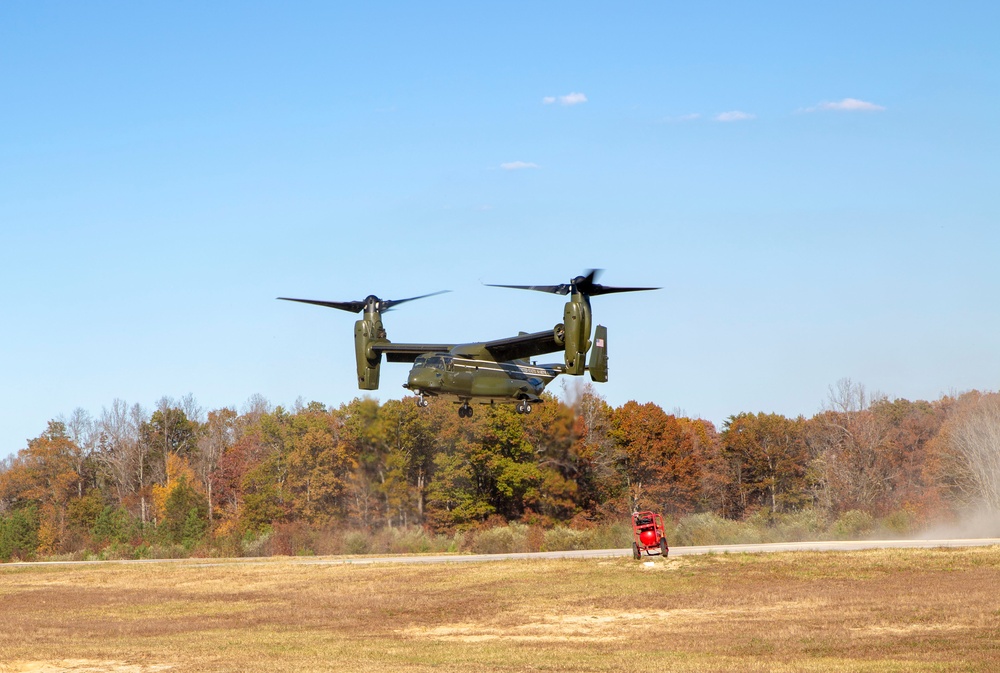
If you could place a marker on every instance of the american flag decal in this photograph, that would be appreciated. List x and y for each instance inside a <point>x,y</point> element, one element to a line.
<point>600,343</point>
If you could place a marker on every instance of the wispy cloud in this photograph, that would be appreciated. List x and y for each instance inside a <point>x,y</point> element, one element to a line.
<point>682,118</point>
<point>568,99</point>
<point>846,105</point>
<point>518,165</point>
<point>734,116</point>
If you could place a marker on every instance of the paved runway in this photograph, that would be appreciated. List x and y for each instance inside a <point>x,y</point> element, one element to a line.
<point>674,551</point>
<point>584,553</point>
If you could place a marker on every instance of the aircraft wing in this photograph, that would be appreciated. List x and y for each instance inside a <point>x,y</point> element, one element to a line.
<point>407,352</point>
<point>519,347</point>
<point>523,346</point>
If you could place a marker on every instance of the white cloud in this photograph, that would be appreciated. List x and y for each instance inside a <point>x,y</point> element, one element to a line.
<point>568,99</point>
<point>517,165</point>
<point>847,105</point>
<point>734,116</point>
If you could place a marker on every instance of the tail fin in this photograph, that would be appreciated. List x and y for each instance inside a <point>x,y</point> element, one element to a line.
<point>599,355</point>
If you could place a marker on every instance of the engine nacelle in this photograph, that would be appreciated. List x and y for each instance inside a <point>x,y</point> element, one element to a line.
<point>576,319</point>
<point>369,362</point>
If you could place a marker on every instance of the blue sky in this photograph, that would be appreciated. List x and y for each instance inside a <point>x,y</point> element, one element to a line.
<point>813,187</point>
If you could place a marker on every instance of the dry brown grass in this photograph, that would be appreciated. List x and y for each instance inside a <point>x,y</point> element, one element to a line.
<point>892,610</point>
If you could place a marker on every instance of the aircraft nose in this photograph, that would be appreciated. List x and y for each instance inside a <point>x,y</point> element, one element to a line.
<point>424,379</point>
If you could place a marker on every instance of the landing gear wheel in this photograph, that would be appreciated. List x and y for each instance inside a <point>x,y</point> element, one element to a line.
<point>527,408</point>
<point>664,550</point>
<point>465,411</point>
<point>421,402</point>
<point>635,551</point>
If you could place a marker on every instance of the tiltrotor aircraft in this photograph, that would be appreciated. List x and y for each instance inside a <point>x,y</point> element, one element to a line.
<point>488,372</point>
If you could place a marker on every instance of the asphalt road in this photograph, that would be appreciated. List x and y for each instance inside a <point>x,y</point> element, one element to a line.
<point>674,551</point>
<point>585,553</point>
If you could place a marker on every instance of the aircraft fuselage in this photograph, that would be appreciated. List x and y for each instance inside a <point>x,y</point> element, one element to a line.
<point>479,379</point>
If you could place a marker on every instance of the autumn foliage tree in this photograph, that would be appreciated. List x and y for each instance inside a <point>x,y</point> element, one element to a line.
<point>853,457</point>
<point>43,476</point>
<point>766,457</point>
<point>970,452</point>
<point>490,471</point>
<point>655,458</point>
<point>317,461</point>
<point>178,476</point>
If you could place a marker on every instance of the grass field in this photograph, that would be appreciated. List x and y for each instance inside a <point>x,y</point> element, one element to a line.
<point>885,610</point>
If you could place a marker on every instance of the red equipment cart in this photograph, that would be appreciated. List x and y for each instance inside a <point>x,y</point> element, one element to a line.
<point>647,529</point>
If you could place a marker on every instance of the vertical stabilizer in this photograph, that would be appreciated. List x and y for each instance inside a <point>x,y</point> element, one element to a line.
<point>599,355</point>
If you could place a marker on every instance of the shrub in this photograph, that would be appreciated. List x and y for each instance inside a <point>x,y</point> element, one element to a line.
<point>852,525</point>
<point>356,542</point>
<point>257,545</point>
<point>617,535</point>
<point>161,551</point>
<point>900,523</point>
<point>291,539</point>
<point>501,540</point>
<point>806,524</point>
<point>565,539</point>
<point>415,541</point>
<point>708,529</point>
<point>767,526</point>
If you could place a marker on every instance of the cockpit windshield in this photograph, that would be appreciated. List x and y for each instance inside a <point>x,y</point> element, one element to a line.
<point>441,362</point>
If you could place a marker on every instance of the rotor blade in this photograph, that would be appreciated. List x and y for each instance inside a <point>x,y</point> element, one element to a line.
<point>359,306</point>
<point>554,289</point>
<point>389,303</point>
<point>582,284</point>
<point>350,306</point>
<point>603,289</point>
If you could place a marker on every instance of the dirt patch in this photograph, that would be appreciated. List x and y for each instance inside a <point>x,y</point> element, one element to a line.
<point>910,629</point>
<point>599,626</point>
<point>473,633</point>
<point>81,666</point>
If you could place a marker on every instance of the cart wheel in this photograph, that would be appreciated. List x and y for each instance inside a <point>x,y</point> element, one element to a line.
<point>664,550</point>
<point>635,551</point>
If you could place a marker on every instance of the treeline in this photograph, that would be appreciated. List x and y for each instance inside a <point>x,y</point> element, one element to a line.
<point>177,480</point>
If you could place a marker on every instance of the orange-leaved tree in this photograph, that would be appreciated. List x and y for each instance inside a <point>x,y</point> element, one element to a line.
<point>656,459</point>
<point>44,474</point>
